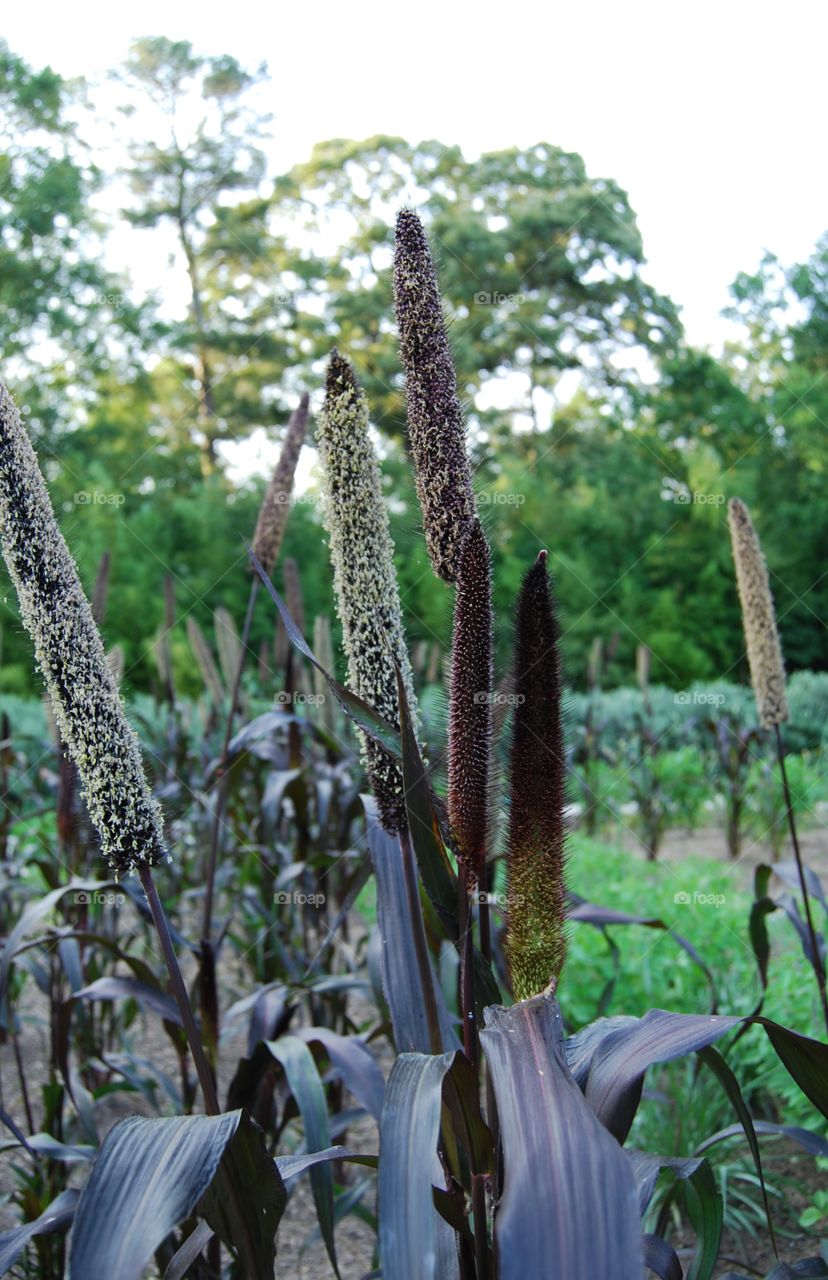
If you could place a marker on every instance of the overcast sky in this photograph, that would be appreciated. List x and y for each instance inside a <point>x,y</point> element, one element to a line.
<point>711,115</point>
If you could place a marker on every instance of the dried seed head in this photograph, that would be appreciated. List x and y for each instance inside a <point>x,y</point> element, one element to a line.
<point>71,658</point>
<point>365,581</point>
<point>435,418</point>
<point>767,669</point>
<point>275,508</point>
<point>205,661</point>
<point>228,644</point>
<point>535,852</point>
<point>470,701</point>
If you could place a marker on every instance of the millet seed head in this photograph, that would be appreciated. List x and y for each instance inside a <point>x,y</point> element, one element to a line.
<point>767,668</point>
<point>435,417</point>
<point>365,581</point>
<point>70,655</point>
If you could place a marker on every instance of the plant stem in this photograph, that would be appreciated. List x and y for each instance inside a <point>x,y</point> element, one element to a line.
<point>221,797</point>
<point>818,967</point>
<point>420,945</point>
<point>467,1010</point>
<point>485,926</point>
<point>481,1232</point>
<point>22,1077</point>
<point>162,928</point>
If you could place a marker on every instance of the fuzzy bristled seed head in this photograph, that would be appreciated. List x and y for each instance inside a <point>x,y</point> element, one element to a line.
<point>435,417</point>
<point>365,582</point>
<point>71,657</point>
<point>767,668</point>
<point>535,943</point>
<point>275,508</point>
<point>470,702</point>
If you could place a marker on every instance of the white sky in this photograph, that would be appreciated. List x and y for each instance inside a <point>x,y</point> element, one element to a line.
<point>711,115</point>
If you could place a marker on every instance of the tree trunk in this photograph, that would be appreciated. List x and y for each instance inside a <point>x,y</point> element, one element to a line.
<point>206,403</point>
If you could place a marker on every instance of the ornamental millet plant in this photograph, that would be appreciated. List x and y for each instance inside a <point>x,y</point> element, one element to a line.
<point>767,674</point>
<point>275,508</point>
<point>460,554</point>
<point>535,942</point>
<point>72,660</point>
<point>435,417</point>
<point>470,704</point>
<point>455,539</point>
<point>365,581</point>
<point>83,690</point>
<point>764,649</point>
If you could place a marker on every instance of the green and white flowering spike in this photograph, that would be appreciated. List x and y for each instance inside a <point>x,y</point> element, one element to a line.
<point>365,582</point>
<point>71,658</point>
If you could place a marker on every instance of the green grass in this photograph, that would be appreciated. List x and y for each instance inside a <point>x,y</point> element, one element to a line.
<point>654,972</point>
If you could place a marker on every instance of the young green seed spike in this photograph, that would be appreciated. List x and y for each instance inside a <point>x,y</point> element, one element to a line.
<point>470,702</point>
<point>435,418</point>
<point>275,508</point>
<point>365,582</point>
<point>767,669</point>
<point>71,658</point>
<point>535,851</point>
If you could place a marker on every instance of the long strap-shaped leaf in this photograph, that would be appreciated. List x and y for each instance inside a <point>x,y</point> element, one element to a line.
<point>355,1063</point>
<point>610,1057</point>
<point>398,958</point>
<point>151,1174</point>
<point>616,1072</point>
<point>569,1205</point>
<point>307,1089</point>
<point>56,1217</point>
<point>415,1242</point>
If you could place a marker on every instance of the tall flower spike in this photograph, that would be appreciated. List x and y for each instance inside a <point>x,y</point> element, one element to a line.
<point>70,655</point>
<point>275,508</point>
<point>535,852</point>
<point>767,669</point>
<point>365,582</point>
<point>470,701</point>
<point>435,418</point>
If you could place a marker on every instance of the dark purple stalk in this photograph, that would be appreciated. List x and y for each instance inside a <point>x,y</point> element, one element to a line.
<point>202,1066</point>
<point>818,967</point>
